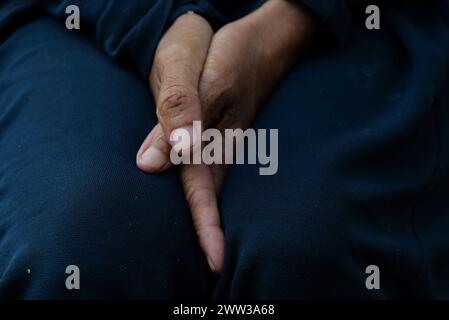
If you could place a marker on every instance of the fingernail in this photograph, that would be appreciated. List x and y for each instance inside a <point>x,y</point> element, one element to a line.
<point>184,138</point>
<point>211,264</point>
<point>154,158</point>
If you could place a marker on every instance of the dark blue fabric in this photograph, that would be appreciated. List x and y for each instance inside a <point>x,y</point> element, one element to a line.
<point>363,170</point>
<point>123,28</point>
<point>127,29</point>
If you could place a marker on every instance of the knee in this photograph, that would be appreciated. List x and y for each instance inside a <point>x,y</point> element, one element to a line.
<point>128,233</point>
<point>292,261</point>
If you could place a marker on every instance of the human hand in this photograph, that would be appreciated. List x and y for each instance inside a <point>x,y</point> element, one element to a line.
<point>245,61</point>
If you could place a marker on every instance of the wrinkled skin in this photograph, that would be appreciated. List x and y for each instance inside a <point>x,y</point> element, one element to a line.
<point>222,80</point>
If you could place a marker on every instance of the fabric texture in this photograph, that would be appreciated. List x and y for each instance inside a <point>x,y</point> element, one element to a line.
<point>363,163</point>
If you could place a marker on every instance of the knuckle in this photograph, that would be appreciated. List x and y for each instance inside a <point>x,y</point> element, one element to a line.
<point>174,101</point>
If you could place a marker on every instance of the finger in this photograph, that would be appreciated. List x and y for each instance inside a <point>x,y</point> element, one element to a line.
<point>178,108</point>
<point>175,77</point>
<point>153,155</point>
<point>218,172</point>
<point>174,81</point>
<point>200,193</point>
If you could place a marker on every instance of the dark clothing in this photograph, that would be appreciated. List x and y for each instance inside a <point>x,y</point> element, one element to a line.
<point>363,161</point>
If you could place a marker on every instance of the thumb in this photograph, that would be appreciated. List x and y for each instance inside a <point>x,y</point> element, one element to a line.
<point>174,80</point>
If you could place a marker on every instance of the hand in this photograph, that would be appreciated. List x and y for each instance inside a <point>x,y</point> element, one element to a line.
<point>245,61</point>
